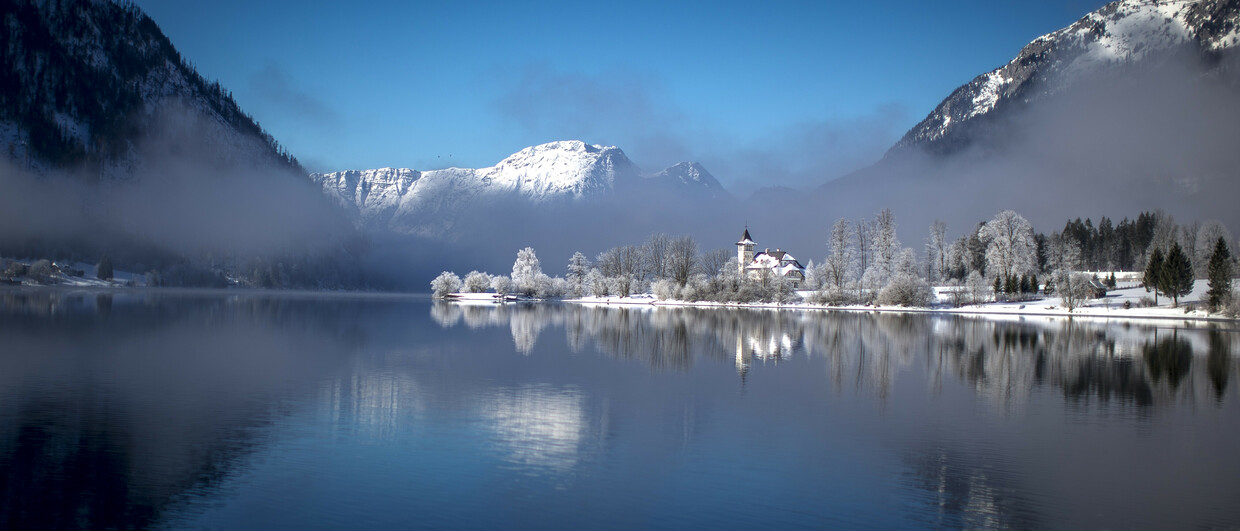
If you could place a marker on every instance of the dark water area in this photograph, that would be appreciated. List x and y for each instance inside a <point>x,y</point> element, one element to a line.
<point>227,410</point>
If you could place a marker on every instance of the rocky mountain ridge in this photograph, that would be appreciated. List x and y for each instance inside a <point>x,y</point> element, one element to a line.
<point>1120,34</point>
<point>562,173</point>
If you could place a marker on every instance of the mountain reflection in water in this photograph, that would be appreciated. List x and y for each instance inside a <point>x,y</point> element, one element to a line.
<point>134,409</point>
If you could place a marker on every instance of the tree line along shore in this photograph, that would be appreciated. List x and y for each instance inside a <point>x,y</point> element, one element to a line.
<point>1002,260</point>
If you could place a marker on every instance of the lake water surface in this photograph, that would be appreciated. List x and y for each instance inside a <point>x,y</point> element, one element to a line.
<point>227,410</point>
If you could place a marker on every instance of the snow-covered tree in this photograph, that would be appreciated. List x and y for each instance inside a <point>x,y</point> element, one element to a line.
<point>525,271</point>
<point>477,282</point>
<point>1072,288</point>
<point>654,256</point>
<point>1207,239</point>
<point>1063,253</point>
<point>841,261</point>
<point>906,289</point>
<point>906,262</point>
<point>447,282</point>
<point>1011,250</point>
<point>682,256</point>
<point>622,266</point>
<point>596,284</point>
<point>977,287</point>
<point>713,262</point>
<point>936,251</point>
<point>501,284</point>
<point>1165,232</point>
<point>664,289</point>
<point>957,260</point>
<point>578,268</point>
<point>886,244</point>
<point>864,239</point>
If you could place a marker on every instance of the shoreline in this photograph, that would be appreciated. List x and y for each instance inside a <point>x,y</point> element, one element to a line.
<point>1108,315</point>
<point>1044,308</point>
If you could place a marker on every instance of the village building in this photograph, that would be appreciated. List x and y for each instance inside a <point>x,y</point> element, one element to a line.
<point>767,264</point>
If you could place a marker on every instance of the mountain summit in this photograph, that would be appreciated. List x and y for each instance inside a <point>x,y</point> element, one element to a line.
<point>1119,36</point>
<point>432,203</point>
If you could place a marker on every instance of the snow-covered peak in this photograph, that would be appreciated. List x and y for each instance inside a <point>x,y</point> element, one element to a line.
<point>690,178</point>
<point>569,167</point>
<point>1120,33</point>
<point>429,202</point>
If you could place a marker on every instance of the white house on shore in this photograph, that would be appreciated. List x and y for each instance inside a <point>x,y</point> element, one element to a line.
<point>767,264</point>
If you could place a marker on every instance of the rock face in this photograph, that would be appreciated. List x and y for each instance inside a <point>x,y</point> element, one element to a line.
<point>433,203</point>
<point>1120,35</point>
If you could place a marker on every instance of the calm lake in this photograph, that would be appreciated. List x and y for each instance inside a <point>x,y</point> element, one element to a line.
<point>227,410</point>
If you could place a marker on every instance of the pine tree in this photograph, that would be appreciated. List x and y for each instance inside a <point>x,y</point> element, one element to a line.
<point>1219,274</point>
<point>103,271</point>
<point>1153,273</point>
<point>1177,274</point>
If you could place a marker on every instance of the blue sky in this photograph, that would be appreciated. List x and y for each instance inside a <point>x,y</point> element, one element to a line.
<point>786,93</point>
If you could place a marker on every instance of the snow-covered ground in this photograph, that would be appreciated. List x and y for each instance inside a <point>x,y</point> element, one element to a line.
<point>1191,307</point>
<point>88,279</point>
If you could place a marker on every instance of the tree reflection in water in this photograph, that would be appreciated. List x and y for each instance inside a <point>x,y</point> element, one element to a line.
<point>1003,361</point>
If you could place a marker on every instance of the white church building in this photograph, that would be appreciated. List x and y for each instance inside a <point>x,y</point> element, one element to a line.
<point>767,264</point>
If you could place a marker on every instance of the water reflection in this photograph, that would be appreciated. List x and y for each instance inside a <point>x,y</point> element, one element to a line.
<point>114,408</point>
<point>540,426</point>
<point>141,409</point>
<point>1003,361</point>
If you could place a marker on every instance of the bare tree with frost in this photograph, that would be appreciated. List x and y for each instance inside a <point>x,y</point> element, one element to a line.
<point>1011,250</point>
<point>936,251</point>
<point>841,261</point>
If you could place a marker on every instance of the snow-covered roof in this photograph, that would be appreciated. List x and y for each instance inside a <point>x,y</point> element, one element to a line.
<point>776,260</point>
<point>745,239</point>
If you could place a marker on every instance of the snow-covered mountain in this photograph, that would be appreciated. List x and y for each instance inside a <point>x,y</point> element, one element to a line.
<point>111,143</point>
<point>433,203</point>
<point>1120,35</point>
<point>689,179</point>
<point>1134,107</point>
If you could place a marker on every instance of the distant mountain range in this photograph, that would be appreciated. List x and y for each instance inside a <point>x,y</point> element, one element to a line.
<point>434,203</point>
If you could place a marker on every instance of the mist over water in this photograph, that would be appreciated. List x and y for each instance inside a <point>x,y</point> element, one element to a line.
<point>219,409</point>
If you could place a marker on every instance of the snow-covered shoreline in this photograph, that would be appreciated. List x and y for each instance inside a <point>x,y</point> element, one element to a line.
<point>1110,307</point>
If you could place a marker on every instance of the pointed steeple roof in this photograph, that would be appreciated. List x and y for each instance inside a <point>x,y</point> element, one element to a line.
<point>745,239</point>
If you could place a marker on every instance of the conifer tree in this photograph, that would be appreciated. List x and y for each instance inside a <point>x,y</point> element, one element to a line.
<point>1153,273</point>
<point>103,271</point>
<point>1219,275</point>
<point>1177,274</point>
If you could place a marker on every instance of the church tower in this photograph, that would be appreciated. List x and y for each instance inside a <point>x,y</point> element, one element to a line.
<point>744,252</point>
